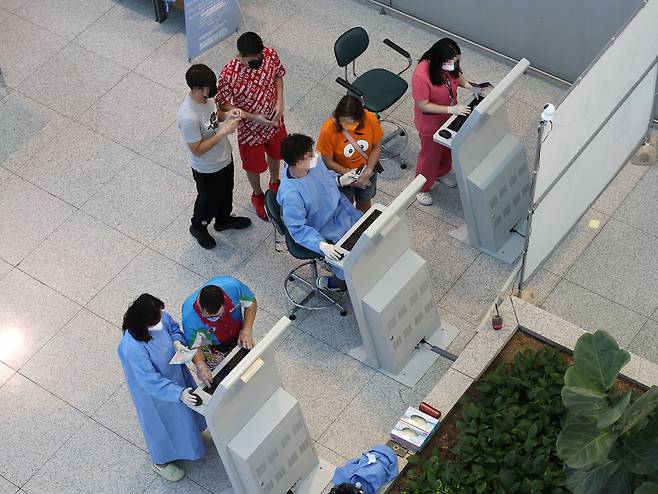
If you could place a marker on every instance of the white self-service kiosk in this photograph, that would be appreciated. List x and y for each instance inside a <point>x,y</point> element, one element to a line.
<point>258,427</point>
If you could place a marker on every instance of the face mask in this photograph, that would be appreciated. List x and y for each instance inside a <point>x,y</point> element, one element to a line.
<point>157,327</point>
<point>255,64</point>
<point>314,161</point>
<point>448,67</point>
<point>350,127</point>
<point>213,318</point>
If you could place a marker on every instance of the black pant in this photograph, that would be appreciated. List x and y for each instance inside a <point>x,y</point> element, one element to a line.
<point>214,196</point>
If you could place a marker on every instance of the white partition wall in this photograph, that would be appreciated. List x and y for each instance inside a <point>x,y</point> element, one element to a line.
<point>595,130</point>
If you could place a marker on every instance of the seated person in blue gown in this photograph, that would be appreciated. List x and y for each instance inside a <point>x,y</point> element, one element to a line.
<point>160,391</point>
<point>315,212</point>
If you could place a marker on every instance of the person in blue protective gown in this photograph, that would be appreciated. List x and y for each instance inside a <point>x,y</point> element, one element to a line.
<point>315,212</point>
<point>160,391</point>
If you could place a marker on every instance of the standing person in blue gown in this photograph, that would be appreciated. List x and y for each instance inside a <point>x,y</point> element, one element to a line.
<point>160,391</point>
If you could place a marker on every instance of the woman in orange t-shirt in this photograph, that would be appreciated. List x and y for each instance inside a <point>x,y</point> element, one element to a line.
<point>339,154</point>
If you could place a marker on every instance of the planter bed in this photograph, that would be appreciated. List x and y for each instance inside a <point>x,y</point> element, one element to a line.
<point>461,387</point>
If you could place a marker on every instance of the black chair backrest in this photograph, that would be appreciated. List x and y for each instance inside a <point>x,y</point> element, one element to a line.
<point>273,209</point>
<point>350,45</point>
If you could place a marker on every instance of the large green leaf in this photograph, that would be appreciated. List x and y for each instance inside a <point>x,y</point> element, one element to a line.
<point>620,483</point>
<point>583,405</point>
<point>647,488</point>
<point>639,410</point>
<point>592,480</point>
<point>597,359</point>
<point>612,414</point>
<point>640,454</point>
<point>581,444</point>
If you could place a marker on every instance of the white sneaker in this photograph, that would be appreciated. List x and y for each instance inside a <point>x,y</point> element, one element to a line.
<point>424,198</point>
<point>449,179</point>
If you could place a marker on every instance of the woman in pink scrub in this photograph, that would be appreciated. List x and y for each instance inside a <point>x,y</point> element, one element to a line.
<point>434,90</point>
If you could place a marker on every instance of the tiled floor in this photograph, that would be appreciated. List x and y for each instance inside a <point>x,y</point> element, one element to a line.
<point>95,199</point>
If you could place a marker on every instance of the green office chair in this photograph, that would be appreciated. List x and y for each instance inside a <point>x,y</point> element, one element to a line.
<point>302,253</point>
<point>379,89</point>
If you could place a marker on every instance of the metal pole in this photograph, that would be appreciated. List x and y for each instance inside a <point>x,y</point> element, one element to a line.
<point>531,209</point>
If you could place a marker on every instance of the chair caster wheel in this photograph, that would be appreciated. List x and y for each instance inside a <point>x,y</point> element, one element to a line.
<point>402,133</point>
<point>403,165</point>
<point>343,313</point>
<point>290,278</point>
<point>292,317</point>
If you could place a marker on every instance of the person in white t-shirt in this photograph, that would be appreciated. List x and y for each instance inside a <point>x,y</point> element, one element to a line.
<point>205,129</point>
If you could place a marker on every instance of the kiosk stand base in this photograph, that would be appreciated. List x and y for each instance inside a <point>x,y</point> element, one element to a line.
<point>315,483</point>
<point>421,360</point>
<point>508,253</point>
<point>318,479</point>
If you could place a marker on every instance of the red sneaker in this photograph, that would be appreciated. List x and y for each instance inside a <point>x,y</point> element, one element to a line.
<point>259,205</point>
<point>274,186</point>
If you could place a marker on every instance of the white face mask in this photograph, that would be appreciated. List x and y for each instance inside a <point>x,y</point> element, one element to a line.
<point>314,161</point>
<point>448,67</point>
<point>157,327</point>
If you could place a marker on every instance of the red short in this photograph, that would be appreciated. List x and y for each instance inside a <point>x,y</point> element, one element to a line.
<point>253,157</point>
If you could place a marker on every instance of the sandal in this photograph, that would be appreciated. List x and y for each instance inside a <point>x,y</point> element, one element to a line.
<point>171,472</point>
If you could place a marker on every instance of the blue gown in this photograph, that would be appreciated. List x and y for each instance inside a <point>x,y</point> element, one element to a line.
<point>314,210</point>
<point>172,431</point>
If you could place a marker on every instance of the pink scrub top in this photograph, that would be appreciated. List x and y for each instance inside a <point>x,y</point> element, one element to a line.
<point>423,89</point>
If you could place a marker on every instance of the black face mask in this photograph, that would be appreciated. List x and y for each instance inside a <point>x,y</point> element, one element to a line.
<point>255,64</point>
<point>212,92</point>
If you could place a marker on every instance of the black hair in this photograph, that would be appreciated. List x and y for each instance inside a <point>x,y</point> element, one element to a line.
<point>436,56</point>
<point>453,44</point>
<point>200,76</point>
<point>294,147</point>
<point>345,488</point>
<point>250,44</point>
<point>142,313</point>
<point>211,299</point>
<point>349,107</point>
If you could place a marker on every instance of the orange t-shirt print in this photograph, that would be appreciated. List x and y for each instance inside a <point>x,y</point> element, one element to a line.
<point>333,143</point>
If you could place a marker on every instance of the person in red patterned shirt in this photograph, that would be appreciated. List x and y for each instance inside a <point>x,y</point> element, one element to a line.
<point>253,83</point>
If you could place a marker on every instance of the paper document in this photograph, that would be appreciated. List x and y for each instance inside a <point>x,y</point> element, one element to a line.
<point>182,357</point>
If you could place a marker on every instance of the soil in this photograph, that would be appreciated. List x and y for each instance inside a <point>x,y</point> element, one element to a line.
<point>446,437</point>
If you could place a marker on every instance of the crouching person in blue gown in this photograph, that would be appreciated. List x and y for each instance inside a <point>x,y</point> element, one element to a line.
<point>315,212</point>
<point>159,390</point>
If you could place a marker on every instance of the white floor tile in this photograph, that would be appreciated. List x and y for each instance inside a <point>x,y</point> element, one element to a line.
<point>26,326</point>
<point>91,461</point>
<point>25,47</point>
<point>12,5</point>
<point>208,471</point>
<point>76,78</point>
<point>6,373</point>
<point>76,165</point>
<point>134,112</point>
<point>79,365</point>
<point>29,216</point>
<point>233,246</point>
<point>7,487</point>
<point>384,401</point>
<point>35,425</point>
<point>81,257</point>
<point>152,273</point>
<point>5,267</point>
<point>67,18</point>
<point>127,34</point>
<point>26,127</point>
<point>185,486</point>
<point>141,200</point>
<point>323,380</point>
<point>118,414</point>
<point>169,150</point>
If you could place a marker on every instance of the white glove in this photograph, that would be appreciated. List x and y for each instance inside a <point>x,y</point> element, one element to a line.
<point>187,398</point>
<point>179,347</point>
<point>348,178</point>
<point>329,250</point>
<point>459,110</point>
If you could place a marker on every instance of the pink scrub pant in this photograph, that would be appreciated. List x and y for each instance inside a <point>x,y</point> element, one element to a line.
<point>434,160</point>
